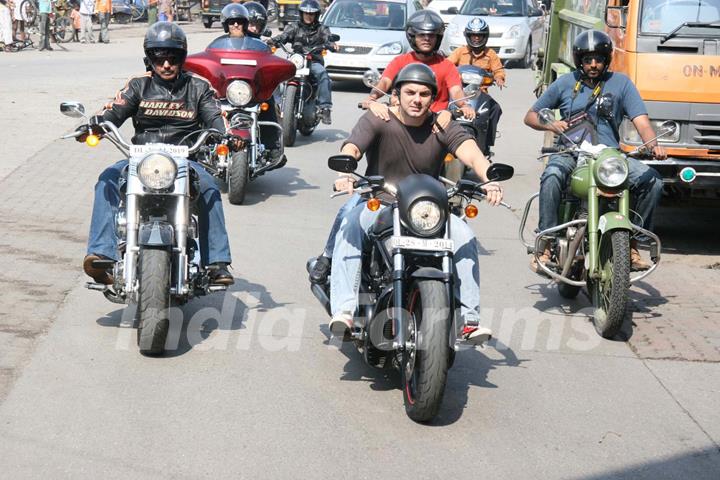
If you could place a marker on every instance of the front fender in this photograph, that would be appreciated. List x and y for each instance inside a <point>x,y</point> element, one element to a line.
<point>614,221</point>
<point>430,273</point>
<point>156,234</point>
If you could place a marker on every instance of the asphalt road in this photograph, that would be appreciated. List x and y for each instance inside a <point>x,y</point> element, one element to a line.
<point>254,389</point>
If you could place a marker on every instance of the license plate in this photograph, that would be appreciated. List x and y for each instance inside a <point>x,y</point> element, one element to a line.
<point>413,243</point>
<point>302,71</point>
<point>174,150</point>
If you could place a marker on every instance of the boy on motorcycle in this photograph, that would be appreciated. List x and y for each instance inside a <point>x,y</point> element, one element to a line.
<point>578,94</point>
<point>403,146</point>
<point>309,33</point>
<point>166,104</point>
<point>477,53</point>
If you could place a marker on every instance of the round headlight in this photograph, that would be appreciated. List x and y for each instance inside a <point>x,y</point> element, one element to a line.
<point>612,172</point>
<point>297,60</point>
<point>239,93</point>
<point>157,171</point>
<point>425,216</point>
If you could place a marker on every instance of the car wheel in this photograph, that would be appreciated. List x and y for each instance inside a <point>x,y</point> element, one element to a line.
<point>526,61</point>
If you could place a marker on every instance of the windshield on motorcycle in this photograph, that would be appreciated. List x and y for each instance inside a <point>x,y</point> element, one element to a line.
<point>366,14</point>
<point>501,8</point>
<point>238,43</point>
<point>663,16</point>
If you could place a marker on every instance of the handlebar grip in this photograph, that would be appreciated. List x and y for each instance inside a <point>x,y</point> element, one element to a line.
<point>545,150</point>
<point>361,106</point>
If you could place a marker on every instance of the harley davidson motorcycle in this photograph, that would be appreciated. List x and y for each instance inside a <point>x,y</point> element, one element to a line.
<point>157,231</point>
<point>591,245</point>
<point>245,74</point>
<point>407,317</point>
<point>299,109</point>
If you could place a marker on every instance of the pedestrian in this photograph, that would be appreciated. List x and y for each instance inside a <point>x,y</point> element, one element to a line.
<point>87,9</point>
<point>165,10</point>
<point>6,34</point>
<point>45,8</point>
<point>77,21</point>
<point>103,8</point>
<point>152,11</point>
<point>18,20</point>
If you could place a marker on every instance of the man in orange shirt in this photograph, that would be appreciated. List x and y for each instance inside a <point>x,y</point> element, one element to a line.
<point>477,54</point>
<point>103,8</point>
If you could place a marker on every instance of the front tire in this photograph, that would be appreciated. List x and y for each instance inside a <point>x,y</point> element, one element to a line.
<point>289,121</point>
<point>610,295</point>
<point>238,176</point>
<point>154,267</point>
<point>425,366</point>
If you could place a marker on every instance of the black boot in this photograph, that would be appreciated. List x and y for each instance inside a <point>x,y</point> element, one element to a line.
<point>219,274</point>
<point>320,271</point>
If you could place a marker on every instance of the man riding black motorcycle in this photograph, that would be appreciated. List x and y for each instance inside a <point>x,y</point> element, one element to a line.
<point>165,104</point>
<point>402,146</point>
<point>308,33</point>
<point>593,98</point>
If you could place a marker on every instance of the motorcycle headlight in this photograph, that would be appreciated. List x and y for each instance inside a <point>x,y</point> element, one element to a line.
<point>297,60</point>
<point>611,172</point>
<point>513,32</point>
<point>393,48</point>
<point>157,171</point>
<point>425,217</point>
<point>239,93</point>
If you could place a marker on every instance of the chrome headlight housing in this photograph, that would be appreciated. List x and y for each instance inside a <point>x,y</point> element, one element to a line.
<point>392,48</point>
<point>157,171</point>
<point>611,172</point>
<point>297,60</point>
<point>239,93</point>
<point>425,217</point>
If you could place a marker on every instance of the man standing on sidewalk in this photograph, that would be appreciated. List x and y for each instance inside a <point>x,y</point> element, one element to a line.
<point>87,8</point>
<point>152,11</point>
<point>44,8</point>
<point>104,8</point>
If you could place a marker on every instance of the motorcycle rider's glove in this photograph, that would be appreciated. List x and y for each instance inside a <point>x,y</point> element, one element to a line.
<point>92,127</point>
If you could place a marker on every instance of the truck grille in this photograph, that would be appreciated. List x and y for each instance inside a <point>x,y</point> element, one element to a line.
<point>708,134</point>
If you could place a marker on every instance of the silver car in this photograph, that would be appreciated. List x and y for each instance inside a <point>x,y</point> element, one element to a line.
<point>372,33</point>
<point>516,28</point>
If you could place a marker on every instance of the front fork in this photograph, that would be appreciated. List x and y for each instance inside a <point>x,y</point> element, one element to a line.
<point>593,227</point>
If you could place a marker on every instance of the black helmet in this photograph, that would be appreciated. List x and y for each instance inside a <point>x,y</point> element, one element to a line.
<point>416,73</point>
<point>424,21</point>
<point>310,6</point>
<point>257,14</point>
<point>165,36</point>
<point>592,41</point>
<point>234,11</point>
<point>477,26</point>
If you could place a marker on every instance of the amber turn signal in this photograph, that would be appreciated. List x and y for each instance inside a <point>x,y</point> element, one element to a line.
<point>264,106</point>
<point>471,211</point>
<point>324,53</point>
<point>273,49</point>
<point>373,204</point>
<point>222,150</point>
<point>92,140</point>
<point>449,158</point>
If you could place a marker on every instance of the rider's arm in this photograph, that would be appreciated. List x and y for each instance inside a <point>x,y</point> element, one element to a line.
<point>647,133</point>
<point>345,182</point>
<point>496,67</point>
<point>634,107</point>
<point>532,120</point>
<point>125,104</point>
<point>287,36</point>
<point>210,112</point>
<point>469,154</point>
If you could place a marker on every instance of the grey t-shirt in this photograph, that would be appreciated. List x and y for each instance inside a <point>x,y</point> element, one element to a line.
<point>626,102</point>
<point>395,150</point>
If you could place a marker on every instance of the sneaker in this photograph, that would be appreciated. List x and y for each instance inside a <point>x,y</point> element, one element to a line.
<point>341,326</point>
<point>219,274</point>
<point>325,116</point>
<point>544,258</point>
<point>320,270</point>
<point>100,275</point>
<point>474,334</point>
<point>637,264</point>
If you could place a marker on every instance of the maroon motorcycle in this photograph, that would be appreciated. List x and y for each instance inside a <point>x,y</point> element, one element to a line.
<point>245,74</point>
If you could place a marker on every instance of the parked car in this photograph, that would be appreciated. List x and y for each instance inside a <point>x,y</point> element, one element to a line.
<point>443,6</point>
<point>372,33</point>
<point>516,28</point>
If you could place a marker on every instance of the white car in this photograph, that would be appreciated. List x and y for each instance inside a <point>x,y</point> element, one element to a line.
<point>442,7</point>
<point>516,28</point>
<point>372,33</point>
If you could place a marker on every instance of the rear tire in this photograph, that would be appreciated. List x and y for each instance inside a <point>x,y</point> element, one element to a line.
<point>289,121</point>
<point>238,176</point>
<point>28,12</point>
<point>610,296</point>
<point>63,29</point>
<point>154,267</point>
<point>424,369</point>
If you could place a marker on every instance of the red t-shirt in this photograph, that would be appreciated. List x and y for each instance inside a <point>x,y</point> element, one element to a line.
<point>445,72</point>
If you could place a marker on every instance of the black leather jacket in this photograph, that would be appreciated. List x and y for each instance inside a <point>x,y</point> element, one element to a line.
<point>165,112</point>
<point>309,36</point>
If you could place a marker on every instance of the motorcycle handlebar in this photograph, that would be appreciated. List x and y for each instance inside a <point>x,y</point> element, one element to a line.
<point>546,150</point>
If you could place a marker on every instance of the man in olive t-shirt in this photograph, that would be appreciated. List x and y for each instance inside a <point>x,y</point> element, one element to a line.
<point>395,149</point>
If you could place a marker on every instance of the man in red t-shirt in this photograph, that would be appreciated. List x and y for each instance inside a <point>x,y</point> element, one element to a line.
<point>424,31</point>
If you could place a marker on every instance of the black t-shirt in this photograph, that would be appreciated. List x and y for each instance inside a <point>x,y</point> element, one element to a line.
<point>395,150</point>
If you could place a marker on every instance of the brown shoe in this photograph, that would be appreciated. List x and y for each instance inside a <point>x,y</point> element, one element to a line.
<point>100,275</point>
<point>544,258</point>
<point>637,264</point>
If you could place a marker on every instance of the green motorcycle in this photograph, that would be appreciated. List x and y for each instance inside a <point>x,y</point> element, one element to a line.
<point>591,245</point>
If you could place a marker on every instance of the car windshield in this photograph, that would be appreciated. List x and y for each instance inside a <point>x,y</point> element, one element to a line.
<point>500,8</point>
<point>367,15</point>
<point>242,43</point>
<point>663,16</point>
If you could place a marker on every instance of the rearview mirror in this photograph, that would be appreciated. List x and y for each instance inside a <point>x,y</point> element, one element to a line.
<point>615,17</point>
<point>498,172</point>
<point>72,109</point>
<point>668,127</point>
<point>371,77</point>
<point>343,163</point>
<point>452,10</point>
<point>546,116</point>
<point>334,37</point>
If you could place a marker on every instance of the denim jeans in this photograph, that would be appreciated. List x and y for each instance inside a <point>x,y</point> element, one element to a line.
<point>645,189</point>
<point>214,246</point>
<point>324,97</point>
<point>352,239</point>
<point>45,30</point>
<point>104,19</point>
<point>349,205</point>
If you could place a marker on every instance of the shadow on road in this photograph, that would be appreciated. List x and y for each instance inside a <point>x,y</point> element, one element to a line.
<point>285,182</point>
<point>327,135</point>
<point>688,230</point>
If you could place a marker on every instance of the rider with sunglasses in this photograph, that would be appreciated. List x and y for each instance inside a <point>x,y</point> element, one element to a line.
<point>166,105</point>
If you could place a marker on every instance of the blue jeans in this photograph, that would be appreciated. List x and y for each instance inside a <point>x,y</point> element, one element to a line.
<point>214,246</point>
<point>352,239</point>
<point>324,95</point>
<point>645,189</point>
<point>347,207</point>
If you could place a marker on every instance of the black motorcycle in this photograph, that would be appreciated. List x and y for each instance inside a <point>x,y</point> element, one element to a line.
<point>407,316</point>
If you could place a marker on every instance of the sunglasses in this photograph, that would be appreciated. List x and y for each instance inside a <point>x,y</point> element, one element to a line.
<point>235,22</point>
<point>171,59</point>
<point>588,59</point>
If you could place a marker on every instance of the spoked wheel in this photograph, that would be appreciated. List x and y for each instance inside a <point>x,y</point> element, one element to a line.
<point>289,121</point>
<point>64,29</point>
<point>610,293</point>
<point>136,12</point>
<point>153,300</point>
<point>426,357</point>
<point>28,12</point>
<point>238,176</point>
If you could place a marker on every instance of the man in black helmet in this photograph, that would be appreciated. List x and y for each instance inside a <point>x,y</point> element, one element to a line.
<point>309,34</point>
<point>234,19</point>
<point>165,104</point>
<point>601,98</point>
<point>403,146</point>
<point>257,19</point>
